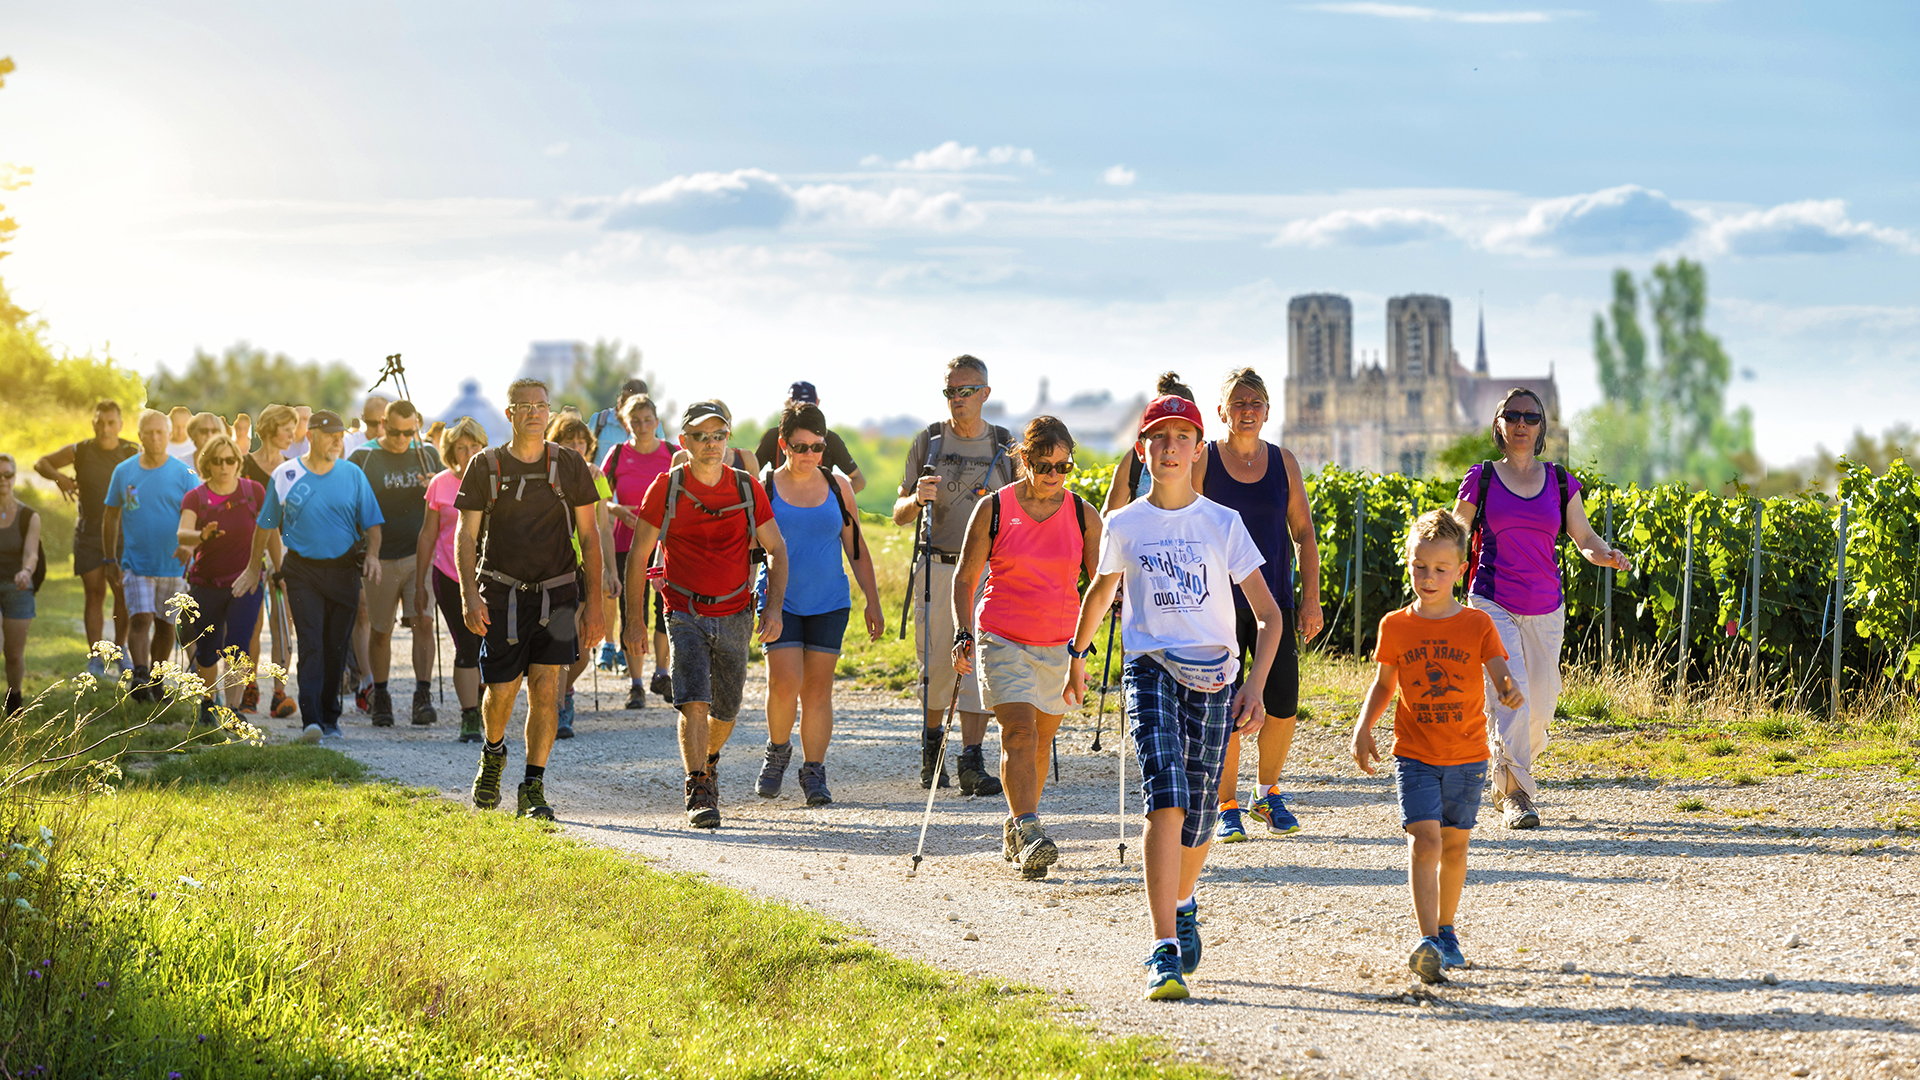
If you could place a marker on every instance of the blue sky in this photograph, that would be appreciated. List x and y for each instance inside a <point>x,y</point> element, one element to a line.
<point>852,193</point>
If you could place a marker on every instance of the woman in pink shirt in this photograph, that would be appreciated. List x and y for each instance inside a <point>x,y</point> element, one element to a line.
<point>458,443</point>
<point>630,467</point>
<point>1034,538</point>
<point>1516,510</point>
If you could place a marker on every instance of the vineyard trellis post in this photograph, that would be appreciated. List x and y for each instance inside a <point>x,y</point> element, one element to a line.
<point>1359,568</point>
<point>1686,612</point>
<point>1753,670</point>
<point>1839,611</point>
<point>1606,592</point>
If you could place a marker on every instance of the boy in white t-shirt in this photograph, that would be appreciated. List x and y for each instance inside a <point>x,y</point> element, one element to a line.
<point>1178,553</point>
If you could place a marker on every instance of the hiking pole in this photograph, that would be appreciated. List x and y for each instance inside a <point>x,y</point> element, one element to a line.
<point>1123,784</point>
<point>922,539</point>
<point>933,786</point>
<point>1106,666</point>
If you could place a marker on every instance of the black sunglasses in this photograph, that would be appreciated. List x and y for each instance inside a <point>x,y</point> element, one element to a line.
<point>1048,468</point>
<point>213,461</point>
<point>1515,416</point>
<point>806,447</point>
<point>952,392</point>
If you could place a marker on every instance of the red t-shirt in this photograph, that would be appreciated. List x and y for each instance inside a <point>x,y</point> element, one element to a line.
<point>218,563</point>
<point>1441,668</point>
<point>705,553</point>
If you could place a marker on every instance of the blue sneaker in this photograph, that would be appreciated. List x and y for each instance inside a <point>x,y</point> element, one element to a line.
<point>566,718</point>
<point>1229,830</point>
<point>612,658</point>
<point>1450,954</point>
<point>1271,810</point>
<point>1163,975</point>
<point>1186,927</point>
<point>1425,961</point>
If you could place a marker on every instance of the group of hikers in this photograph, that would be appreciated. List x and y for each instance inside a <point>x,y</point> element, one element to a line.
<point>529,549</point>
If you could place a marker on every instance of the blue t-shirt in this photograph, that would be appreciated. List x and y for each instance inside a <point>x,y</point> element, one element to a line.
<point>320,515</point>
<point>149,502</point>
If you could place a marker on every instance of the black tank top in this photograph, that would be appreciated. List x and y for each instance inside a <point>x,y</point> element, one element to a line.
<point>1262,506</point>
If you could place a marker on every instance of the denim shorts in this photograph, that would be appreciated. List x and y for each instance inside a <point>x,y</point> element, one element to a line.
<point>1448,794</point>
<point>815,633</point>
<point>709,659</point>
<point>15,602</point>
<point>1180,737</point>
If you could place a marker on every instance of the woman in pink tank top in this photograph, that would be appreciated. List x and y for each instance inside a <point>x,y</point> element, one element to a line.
<point>1033,538</point>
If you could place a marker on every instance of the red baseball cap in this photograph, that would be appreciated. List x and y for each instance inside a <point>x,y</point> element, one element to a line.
<point>1171,407</point>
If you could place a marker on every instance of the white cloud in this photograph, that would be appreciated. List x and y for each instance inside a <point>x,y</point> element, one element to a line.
<point>838,204</point>
<point>1811,227</point>
<point>1415,13</point>
<point>1380,227</point>
<point>556,149</point>
<point>1620,220</point>
<point>757,199</point>
<point>1119,176</point>
<point>950,156</point>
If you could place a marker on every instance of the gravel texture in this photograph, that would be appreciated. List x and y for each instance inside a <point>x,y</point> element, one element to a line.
<point>1624,937</point>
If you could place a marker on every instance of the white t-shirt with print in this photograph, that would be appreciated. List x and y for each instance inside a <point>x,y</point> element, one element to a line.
<point>1178,568</point>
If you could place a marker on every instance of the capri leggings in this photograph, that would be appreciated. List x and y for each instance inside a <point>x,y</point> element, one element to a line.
<point>1281,695</point>
<point>466,643</point>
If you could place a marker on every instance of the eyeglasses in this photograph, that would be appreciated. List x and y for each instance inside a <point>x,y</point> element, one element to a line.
<point>953,392</point>
<point>527,407</point>
<point>1048,468</point>
<point>1515,416</point>
<point>403,433</point>
<point>806,448</point>
<point>705,438</point>
<point>218,461</point>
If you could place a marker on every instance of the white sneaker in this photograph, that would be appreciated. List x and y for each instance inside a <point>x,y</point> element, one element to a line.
<point>310,734</point>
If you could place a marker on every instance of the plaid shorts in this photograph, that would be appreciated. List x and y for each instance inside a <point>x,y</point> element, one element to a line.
<point>149,595</point>
<point>1180,736</point>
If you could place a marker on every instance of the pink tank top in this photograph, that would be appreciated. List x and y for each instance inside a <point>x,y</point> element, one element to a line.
<point>1030,595</point>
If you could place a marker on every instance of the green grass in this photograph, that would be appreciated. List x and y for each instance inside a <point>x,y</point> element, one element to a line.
<point>305,924</point>
<point>1722,748</point>
<point>1690,804</point>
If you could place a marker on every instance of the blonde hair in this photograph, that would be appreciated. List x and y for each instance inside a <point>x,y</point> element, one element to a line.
<point>147,414</point>
<point>1246,377</point>
<point>464,428</point>
<point>273,418</point>
<point>565,429</point>
<point>213,443</point>
<point>1437,525</point>
<point>206,422</point>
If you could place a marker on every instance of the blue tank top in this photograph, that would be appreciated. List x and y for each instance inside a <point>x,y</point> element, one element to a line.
<point>1262,506</point>
<point>816,578</point>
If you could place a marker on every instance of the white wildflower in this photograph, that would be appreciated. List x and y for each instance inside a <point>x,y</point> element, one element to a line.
<point>273,671</point>
<point>105,650</point>
<point>182,602</point>
<point>179,682</point>
<point>189,882</point>
<point>84,683</point>
<point>241,729</point>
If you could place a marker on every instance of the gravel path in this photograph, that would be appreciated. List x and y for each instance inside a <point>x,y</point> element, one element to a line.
<point>1623,938</point>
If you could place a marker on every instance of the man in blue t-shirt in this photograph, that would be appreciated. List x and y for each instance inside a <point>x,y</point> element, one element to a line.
<point>320,507</point>
<point>140,533</point>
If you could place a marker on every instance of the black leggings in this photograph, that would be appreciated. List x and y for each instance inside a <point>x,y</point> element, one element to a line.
<point>466,643</point>
<point>1281,695</point>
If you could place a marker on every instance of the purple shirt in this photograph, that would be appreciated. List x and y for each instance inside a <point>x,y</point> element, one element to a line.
<point>1518,569</point>
<point>218,563</point>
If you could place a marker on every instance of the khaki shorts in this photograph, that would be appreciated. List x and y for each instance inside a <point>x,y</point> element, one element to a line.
<point>934,634</point>
<point>1016,674</point>
<point>397,578</point>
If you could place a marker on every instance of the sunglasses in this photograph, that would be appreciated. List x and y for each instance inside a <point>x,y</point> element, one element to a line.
<point>953,392</point>
<point>402,433</point>
<point>1515,416</point>
<point>706,437</point>
<point>6,476</point>
<point>806,448</point>
<point>1048,468</point>
<point>219,461</point>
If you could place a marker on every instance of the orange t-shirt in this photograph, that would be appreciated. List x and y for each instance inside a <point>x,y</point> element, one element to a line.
<point>1442,715</point>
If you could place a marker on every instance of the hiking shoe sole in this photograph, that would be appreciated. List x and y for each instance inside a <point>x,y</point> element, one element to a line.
<point>1522,819</point>
<point>1039,855</point>
<point>1425,962</point>
<point>704,817</point>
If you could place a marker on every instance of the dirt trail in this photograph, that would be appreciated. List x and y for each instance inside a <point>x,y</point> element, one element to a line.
<point>1624,937</point>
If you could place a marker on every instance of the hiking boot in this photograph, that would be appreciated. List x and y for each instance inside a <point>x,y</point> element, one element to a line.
<point>931,758</point>
<point>1450,954</point>
<point>14,701</point>
<point>1426,962</point>
<point>703,802</point>
<point>422,712</point>
<point>1229,829</point>
<point>1010,839</point>
<point>1271,810</point>
<point>565,728</point>
<point>813,783</point>
<point>1186,927</point>
<point>1520,813</point>
<point>974,777</point>
<point>363,700</point>
<point>533,800</point>
<point>380,709</point>
<point>250,698</point>
<point>636,698</point>
<point>472,725</point>
<point>486,783</point>
<point>773,769</point>
<point>310,734</point>
<point>1037,851</point>
<point>283,706</point>
<point>1163,975</point>
<point>661,685</point>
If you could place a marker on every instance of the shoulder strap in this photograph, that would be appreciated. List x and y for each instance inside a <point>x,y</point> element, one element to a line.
<point>993,520</point>
<point>1560,476</point>
<point>1480,499</point>
<point>847,515</point>
<point>1134,466</point>
<point>935,432</point>
<point>1079,511</point>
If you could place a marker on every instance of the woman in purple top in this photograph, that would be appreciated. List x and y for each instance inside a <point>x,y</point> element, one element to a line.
<point>216,525</point>
<point>1516,509</point>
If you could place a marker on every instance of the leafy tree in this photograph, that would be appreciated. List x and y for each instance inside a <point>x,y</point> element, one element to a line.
<point>246,379</point>
<point>1621,351</point>
<point>12,178</point>
<point>1464,453</point>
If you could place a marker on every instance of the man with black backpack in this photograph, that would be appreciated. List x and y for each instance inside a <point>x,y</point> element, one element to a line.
<point>521,585</point>
<point>950,466</point>
<point>706,516</point>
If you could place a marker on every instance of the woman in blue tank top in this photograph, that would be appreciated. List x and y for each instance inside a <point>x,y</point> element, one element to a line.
<point>818,521</point>
<point>1262,482</point>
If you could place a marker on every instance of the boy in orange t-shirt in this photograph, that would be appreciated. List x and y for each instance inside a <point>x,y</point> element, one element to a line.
<point>1438,654</point>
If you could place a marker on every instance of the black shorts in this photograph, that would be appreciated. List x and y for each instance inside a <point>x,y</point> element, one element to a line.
<point>557,643</point>
<point>88,554</point>
<point>659,604</point>
<point>1282,693</point>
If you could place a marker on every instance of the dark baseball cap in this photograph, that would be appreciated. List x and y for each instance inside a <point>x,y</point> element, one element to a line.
<point>326,422</point>
<point>702,411</point>
<point>803,391</point>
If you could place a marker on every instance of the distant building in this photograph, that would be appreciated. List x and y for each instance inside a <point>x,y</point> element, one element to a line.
<point>472,403</point>
<point>1098,420</point>
<point>1396,415</point>
<point>553,363</point>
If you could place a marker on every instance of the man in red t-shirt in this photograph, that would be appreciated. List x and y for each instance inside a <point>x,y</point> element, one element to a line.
<point>707,580</point>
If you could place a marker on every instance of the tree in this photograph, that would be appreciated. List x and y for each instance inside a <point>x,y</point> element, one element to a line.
<point>1622,351</point>
<point>246,379</point>
<point>600,372</point>
<point>12,178</point>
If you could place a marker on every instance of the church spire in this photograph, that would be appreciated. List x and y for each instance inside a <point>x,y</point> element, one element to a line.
<point>1480,354</point>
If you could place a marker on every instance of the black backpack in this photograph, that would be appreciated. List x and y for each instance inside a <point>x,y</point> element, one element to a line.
<point>1559,476</point>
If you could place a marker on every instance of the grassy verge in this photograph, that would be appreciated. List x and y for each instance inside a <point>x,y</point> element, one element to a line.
<point>261,911</point>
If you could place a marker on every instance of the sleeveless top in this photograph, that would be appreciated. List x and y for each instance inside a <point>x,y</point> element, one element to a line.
<point>816,578</point>
<point>93,470</point>
<point>1262,506</point>
<point>1518,567</point>
<point>1030,596</point>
